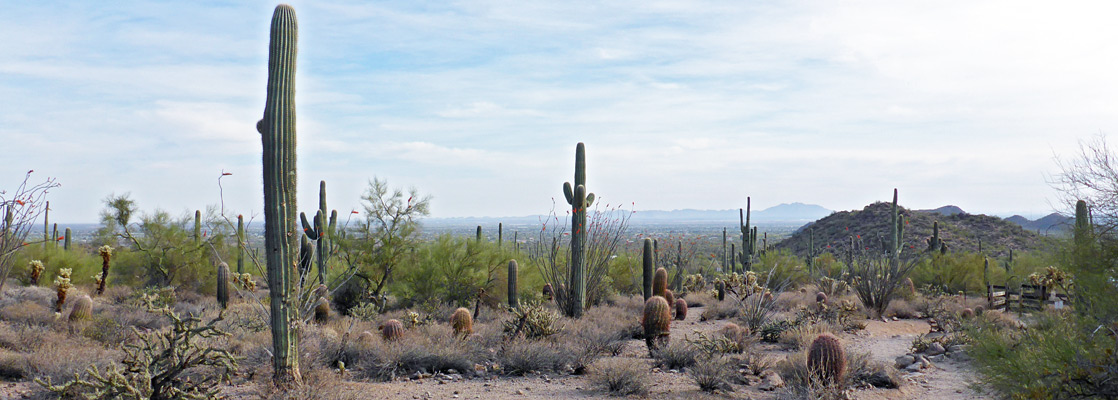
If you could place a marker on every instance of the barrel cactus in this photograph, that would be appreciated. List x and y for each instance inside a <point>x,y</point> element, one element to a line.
<point>548,292</point>
<point>669,296</point>
<point>322,311</point>
<point>826,359</point>
<point>462,322</point>
<point>979,310</point>
<point>660,282</point>
<point>680,309</point>
<point>820,297</point>
<point>967,313</point>
<point>392,330</point>
<point>223,285</point>
<point>657,322</point>
<point>83,309</point>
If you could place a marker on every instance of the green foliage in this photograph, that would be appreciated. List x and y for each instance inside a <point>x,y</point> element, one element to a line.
<point>534,321</point>
<point>963,271</point>
<point>782,267</point>
<point>1062,356</point>
<point>452,270</point>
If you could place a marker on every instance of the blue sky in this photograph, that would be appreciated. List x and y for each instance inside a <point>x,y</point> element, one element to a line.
<point>682,104</point>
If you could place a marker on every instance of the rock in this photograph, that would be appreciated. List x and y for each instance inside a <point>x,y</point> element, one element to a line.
<point>958,348</point>
<point>913,367</point>
<point>934,335</point>
<point>520,392</point>
<point>938,358</point>
<point>771,381</point>
<point>882,379</point>
<point>924,362</point>
<point>935,349</point>
<point>905,361</point>
<point>452,371</point>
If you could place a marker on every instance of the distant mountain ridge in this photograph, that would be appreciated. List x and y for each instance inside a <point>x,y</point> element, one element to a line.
<point>960,230</point>
<point>1051,223</point>
<point>782,213</point>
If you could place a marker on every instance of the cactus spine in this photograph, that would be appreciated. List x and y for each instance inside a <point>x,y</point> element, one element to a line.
<point>280,239</point>
<point>66,242</point>
<point>826,359</point>
<point>514,300</point>
<point>197,226</point>
<point>241,244</point>
<point>646,265</point>
<point>579,199</point>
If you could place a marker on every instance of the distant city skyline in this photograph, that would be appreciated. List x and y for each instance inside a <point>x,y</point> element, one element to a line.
<point>681,104</point>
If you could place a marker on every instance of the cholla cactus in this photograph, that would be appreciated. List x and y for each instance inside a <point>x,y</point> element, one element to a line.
<point>63,286</point>
<point>36,268</point>
<point>244,281</point>
<point>694,283</point>
<point>106,252</point>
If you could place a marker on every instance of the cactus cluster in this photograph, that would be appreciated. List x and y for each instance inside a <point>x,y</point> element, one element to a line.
<point>826,359</point>
<point>748,237</point>
<point>657,322</point>
<point>320,231</point>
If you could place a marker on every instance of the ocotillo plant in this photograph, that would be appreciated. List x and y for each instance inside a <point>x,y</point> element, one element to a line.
<point>579,199</point>
<point>197,226</point>
<point>281,240</point>
<point>646,264</point>
<point>241,244</point>
<point>513,295</point>
<point>106,253</point>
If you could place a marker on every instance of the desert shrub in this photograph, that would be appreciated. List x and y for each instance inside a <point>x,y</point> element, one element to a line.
<point>860,370</point>
<point>878,278</point>
<point>1057,357</point>
<point>725,309</point>
<point>621,377</point>
<point>772,331</point>
<point>152,366</point>
<point>596,335</point>
<point>27,313</point>
<point>676,355</point>
<point>901,308</point>
<point>317,384</point>
<point>782,268</point>
<point>714,373</point>
<point>523,356</point>
<point>801,336</point>
<point>52,356</point>
<point>755,360</point>
<point>432,348</point>
<point>11,365</point>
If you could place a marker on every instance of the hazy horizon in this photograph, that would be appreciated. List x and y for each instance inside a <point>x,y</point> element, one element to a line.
<point>682,105</point>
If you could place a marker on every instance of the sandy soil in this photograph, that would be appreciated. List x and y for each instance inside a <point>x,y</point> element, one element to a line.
<point>947,380</point>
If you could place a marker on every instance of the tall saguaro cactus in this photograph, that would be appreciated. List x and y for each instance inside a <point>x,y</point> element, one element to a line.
<point>197,226</point>
<point>647,268</point>
<point>281,240</point>
<point>513,289</point>
<point>241,244</point>
<point>320,231</point>
<point>748,237</point>
<point>580,200</point>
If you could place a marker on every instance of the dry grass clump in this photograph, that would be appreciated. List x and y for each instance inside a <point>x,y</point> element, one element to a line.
<point>524,356</point>
<point>801,336</point>
<point>317,384</point>
<point>714,373</point>
<point>432,348</point>
<point>902,309</point>
<point>621,376</point>
<point>861,371</point>
<point>699,299</point>
<point>725,309</point>
<point>676,355</point>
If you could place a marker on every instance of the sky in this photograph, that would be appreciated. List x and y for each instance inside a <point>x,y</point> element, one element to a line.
<point>681,104</point>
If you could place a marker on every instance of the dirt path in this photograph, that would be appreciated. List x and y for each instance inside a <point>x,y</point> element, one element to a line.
<point>947,380</point>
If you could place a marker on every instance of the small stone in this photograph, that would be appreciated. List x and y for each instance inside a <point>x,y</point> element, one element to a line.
<point>771,381</point>
<point>913,367</point>
<point>958,348</point>
<point>938,358</point>
<point>935,349</point>
<point>905,361</point>
<point>452,371</point>
<point>520,392</point>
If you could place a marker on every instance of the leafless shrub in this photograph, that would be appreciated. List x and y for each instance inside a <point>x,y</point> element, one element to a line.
<point>621,377</point>
<point>676,355</point>
<point>714,373</point>
<point>523,356</point>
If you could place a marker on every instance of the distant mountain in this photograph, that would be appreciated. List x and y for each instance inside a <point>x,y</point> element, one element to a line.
<point>1051,223</point>
<point>782,213</point>
<point>961,231</point>
<point>794,213</point>
<point>946,210</point>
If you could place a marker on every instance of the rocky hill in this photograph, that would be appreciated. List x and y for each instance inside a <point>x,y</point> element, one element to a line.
<point>1053,223</point>
<point>961,231</point>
